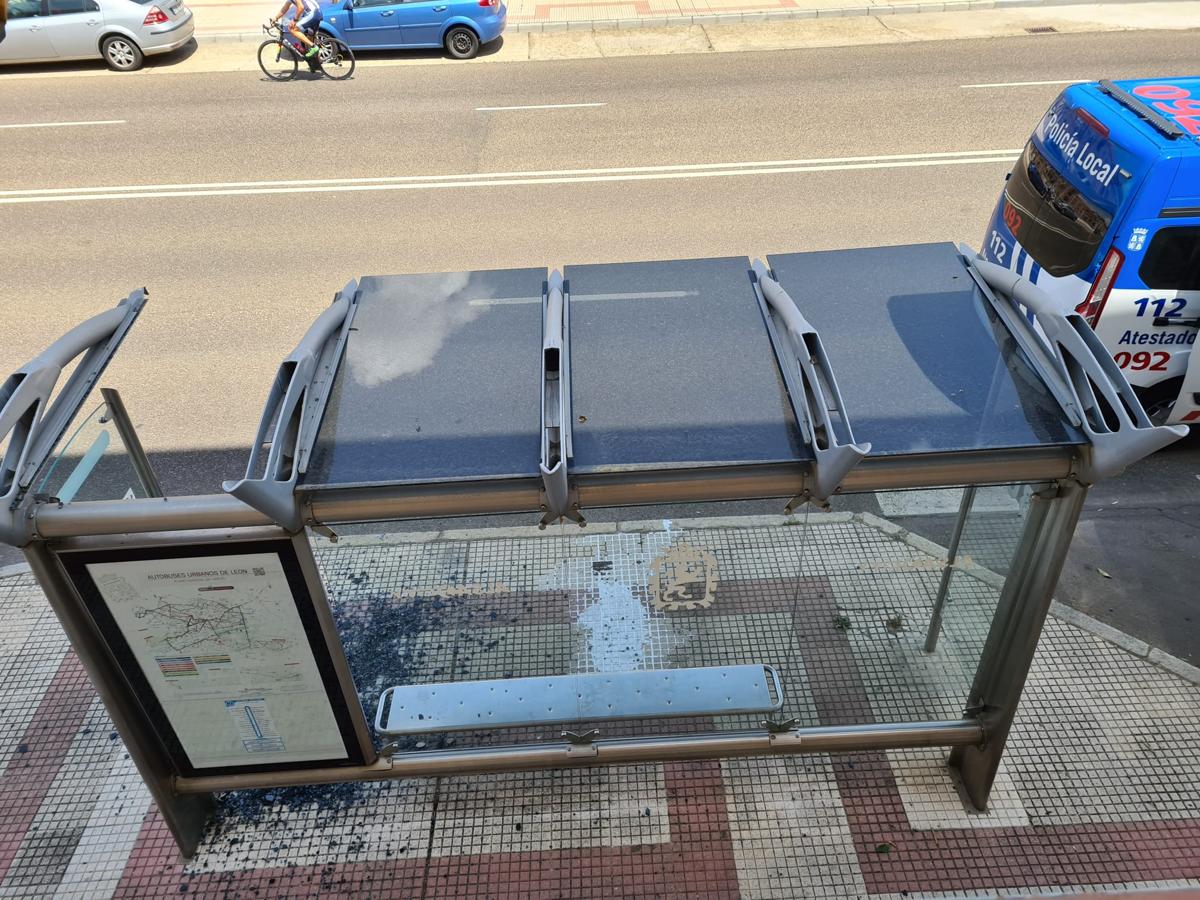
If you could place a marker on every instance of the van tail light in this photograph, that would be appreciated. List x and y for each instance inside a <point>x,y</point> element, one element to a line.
<point>1093,303</point>
<point>1095,123</point>
<point>155,17</point>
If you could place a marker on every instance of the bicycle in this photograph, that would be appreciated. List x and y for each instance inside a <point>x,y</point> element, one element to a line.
<point>279,56</point>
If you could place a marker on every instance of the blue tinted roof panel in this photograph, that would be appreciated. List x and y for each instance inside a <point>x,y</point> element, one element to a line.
<point>923,364</point>
<point>440,381</point>
<point>671,365</point>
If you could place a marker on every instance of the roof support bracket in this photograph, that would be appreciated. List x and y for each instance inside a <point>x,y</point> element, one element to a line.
<point>812,389</point>
<point>34,425</point>
<point>559,500</point>
<point>292,415</point>
<point>1078,370</point>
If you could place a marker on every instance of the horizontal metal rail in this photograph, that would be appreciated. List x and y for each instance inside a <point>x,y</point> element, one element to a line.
<point>137,516</point>
<point>427,763</point>
<point>698,485</point>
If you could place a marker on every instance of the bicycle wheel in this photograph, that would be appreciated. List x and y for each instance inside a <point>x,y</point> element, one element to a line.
<point>337,61</point>
<point>277,61</point>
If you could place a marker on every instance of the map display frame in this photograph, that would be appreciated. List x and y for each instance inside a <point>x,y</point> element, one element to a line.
<point>224,648</point>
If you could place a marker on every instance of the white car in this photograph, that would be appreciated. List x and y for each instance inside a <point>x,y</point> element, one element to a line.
<point>121,32</point>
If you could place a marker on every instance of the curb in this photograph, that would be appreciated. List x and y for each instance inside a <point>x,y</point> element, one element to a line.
<point>1062,612</point>
<point>757,16</point>
<point>14,570</point>
<point>1127,642</point>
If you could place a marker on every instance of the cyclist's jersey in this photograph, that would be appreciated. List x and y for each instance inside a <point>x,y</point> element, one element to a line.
<point>310,14</point>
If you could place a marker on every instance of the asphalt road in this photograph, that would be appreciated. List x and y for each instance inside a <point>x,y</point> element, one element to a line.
<point>673,148</point>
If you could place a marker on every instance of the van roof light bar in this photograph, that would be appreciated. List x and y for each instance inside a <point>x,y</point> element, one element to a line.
<point>292,415</point>
<point>558,501</point>
<point>1132,103</point>
<point>1079,371</point>
<point>812,388</point>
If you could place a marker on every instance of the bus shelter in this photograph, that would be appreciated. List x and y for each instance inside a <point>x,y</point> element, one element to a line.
<point>225,637</point>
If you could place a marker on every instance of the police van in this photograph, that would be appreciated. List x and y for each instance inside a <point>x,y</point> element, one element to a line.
<point>1102,211</point>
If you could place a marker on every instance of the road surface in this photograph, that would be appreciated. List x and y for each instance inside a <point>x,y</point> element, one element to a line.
<point>243,205</point>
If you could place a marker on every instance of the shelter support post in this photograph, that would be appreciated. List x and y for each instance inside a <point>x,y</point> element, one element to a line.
<point>133,444</point>
<point>185,814</point>
<point>939,604</point>
<point>1017,624</point>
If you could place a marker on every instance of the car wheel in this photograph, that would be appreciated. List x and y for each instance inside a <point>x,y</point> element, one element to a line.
<point>121,53</point>
<point>1159,401</point>
<point>462,43</point>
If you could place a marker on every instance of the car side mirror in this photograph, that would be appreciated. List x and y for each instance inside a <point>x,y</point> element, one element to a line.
<point>348,5</point>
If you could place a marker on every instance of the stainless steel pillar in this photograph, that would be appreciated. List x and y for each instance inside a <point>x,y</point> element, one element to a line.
<point>935,620</point>
<point>1016,626</point>
<point>133,444</point>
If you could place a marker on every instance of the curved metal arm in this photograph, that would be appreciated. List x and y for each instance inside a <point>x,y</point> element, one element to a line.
<point>1078,370</point>
<point>816,400</point>
<point>292,415</point>
<point>556,404</point>
<point>33,425</point>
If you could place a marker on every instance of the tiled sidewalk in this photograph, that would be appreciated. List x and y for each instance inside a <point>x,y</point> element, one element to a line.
<point>1100,786</point>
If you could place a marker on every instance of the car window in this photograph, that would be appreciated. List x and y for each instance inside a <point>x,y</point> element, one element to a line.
<point>1172,261</point>
<point>360,4</point>
<point>1054,222</point>
<point>61,7</point>
<point>24,9</point>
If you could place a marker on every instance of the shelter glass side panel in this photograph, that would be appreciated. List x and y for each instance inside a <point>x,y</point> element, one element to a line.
<point>668,621</point>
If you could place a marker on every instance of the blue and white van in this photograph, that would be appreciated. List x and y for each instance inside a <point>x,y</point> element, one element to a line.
<point>1102,211</point>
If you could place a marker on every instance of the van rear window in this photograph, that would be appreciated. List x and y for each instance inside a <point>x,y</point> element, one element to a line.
<point>1054,223</point>
<point>1172,261</point>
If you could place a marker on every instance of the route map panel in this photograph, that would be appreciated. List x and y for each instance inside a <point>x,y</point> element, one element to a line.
<point>220,641</point>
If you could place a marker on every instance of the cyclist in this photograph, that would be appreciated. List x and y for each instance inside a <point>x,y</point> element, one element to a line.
<point>306,19</point>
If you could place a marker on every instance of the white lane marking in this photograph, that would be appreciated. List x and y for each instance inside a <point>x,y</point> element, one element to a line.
<point>1004,84</point>
<point>943,501</point>
<point>65,124</point>
<point>640,295</point>
<point>657,173</point>
<point>398,179</point>
<point>539,106</point>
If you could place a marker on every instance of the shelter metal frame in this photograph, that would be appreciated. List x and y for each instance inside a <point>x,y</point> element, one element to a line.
<point>1092,392</point>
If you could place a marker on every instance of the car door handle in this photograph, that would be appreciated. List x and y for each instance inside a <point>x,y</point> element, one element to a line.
<point>390,12</point>
<point>93,21</point>
<point>439,9</point>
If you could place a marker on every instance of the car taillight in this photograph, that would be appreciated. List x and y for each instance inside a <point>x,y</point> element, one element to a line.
<point>155,17</point>
<point>489,2</point>
<point>1093,303</point>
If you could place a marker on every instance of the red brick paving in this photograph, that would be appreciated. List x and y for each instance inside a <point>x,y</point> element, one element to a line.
<point>697,862</point>
<point>29,774</point>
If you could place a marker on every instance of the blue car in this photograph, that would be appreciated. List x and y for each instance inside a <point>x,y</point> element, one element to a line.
<point>460,26</point>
